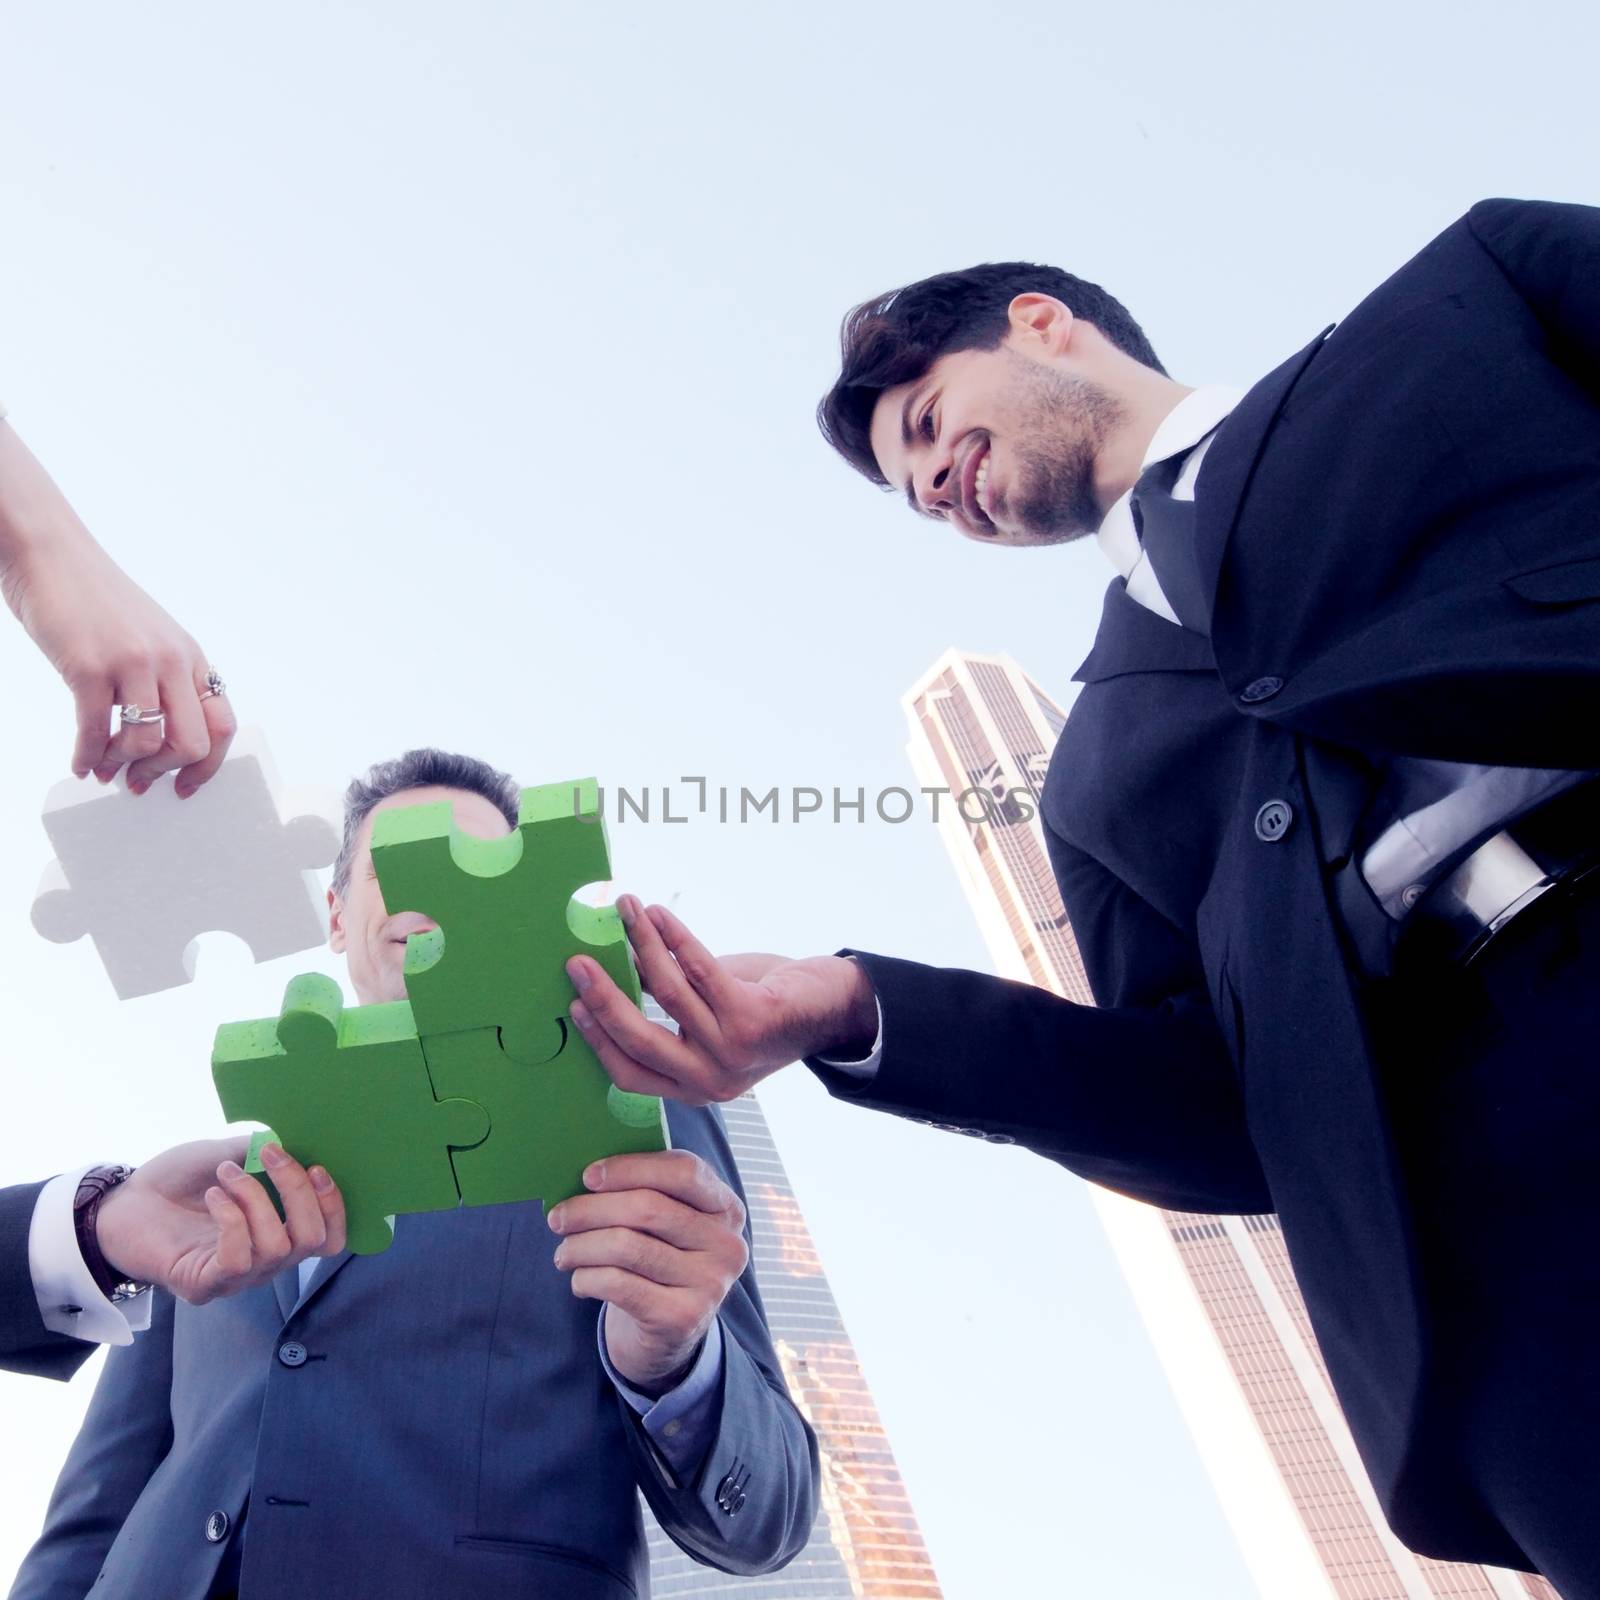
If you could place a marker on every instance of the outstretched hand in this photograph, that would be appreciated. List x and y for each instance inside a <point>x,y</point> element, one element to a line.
<point>192,1221</point>
<point>111,643</point>
<point>740,1017</point>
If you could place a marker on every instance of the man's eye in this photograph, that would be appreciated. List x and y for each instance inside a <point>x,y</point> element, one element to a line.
<point>925,427</point>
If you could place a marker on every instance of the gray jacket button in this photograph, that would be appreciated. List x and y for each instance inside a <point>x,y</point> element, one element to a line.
<point>1260,689</point>
<point>292,1354</point>
<point>1273,821</point>
<point>217,1525</point>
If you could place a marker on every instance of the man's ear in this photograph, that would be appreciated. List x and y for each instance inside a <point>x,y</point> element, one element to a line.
<point>1040,324</point>
<point>336,939</point>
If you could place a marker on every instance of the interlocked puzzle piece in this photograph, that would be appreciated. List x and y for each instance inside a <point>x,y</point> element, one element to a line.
<point>349,1089</point>
<point>490,991</point>
<point>145,875</point>
<point>506,914</point>
<point>531,1105</point>
<point>551,1119</point>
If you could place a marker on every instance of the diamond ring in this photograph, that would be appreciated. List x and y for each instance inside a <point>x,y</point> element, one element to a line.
<point>139,716</point>
<point>214,685</point>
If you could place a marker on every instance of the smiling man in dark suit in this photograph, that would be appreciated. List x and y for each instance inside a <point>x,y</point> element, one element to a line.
<point>1323,817</point>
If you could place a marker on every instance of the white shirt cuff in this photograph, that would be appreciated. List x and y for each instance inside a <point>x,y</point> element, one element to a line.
<point>865,1069</point>
<point>69,1302</point>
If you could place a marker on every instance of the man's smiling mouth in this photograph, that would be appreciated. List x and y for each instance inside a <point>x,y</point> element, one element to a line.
<point>975,490</point>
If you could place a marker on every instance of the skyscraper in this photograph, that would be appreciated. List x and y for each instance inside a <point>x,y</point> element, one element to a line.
<point>866,1544</point>
<point>1216,1293</point>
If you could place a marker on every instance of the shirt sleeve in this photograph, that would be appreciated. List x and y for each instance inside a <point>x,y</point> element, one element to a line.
<point>866,1069</point>
<point>69,1302</point>
<point>682,1422</point>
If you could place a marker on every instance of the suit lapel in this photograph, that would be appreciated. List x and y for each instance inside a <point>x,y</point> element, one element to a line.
<point>1230,463</point>
<point>286,1286</point>
<point>286,1289</point>
<point>1132,638</point>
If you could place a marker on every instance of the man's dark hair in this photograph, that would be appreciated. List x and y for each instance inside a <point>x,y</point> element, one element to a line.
<point>418,769</point>
<point>895,338</point>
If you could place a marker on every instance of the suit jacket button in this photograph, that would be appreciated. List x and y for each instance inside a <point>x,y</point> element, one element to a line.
<point>1260,689</point>
<point>217,1525</point>
<point>1273,820</point>
<point>292,1354</point>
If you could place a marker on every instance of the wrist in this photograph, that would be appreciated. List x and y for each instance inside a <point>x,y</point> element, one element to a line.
<point>648,1373</point>
<point>653,1388</point>
<point>34,515</point>
<point>107,1265</point>
<point>858,1014</point>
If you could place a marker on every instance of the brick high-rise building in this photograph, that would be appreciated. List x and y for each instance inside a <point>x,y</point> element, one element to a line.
<point>866,1544</point>
<point>1216,1293</point>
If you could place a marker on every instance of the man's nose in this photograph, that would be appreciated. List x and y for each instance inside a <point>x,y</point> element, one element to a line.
<point>936,486</point>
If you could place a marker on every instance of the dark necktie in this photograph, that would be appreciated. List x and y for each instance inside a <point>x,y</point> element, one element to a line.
<point>1166,530</point>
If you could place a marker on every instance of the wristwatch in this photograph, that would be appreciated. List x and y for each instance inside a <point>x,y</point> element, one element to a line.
<point>93,1187</point>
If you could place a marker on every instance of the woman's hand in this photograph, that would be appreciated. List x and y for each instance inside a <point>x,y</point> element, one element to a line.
<point>111,643</point>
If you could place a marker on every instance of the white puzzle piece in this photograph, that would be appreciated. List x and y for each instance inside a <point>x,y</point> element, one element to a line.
<point>145,875</point>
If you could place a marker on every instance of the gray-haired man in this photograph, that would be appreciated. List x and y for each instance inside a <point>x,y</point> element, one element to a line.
<point>471,1412</point>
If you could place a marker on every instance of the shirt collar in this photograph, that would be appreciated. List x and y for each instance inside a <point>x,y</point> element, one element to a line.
<point>1184,426</point>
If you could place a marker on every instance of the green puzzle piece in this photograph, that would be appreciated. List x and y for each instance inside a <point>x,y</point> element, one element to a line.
<point>349,1089</point>
<point>398,1101</point>
<point>490,990</point>
<point>507,919</point>
<point>550,1119</point>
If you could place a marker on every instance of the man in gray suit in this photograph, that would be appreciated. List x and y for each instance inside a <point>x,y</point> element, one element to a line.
<point>452,1417</point>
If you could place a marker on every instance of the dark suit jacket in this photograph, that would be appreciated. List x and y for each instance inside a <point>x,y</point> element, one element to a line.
<point>446,1429</point>
<point>1402,530</point>
<point>26,1345</point>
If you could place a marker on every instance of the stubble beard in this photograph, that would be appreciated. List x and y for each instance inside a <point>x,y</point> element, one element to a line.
<point>1061,422</point>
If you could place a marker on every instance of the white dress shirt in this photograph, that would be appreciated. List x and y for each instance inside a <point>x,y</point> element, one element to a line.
<point>1187,427</point>
<point>69,1302</point>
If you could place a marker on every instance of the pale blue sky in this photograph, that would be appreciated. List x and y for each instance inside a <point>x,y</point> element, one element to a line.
<point>449,371</point>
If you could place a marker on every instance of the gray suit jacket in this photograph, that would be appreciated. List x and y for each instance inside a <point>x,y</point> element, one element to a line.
<point>26,1345</point>
<point>431,1421</point>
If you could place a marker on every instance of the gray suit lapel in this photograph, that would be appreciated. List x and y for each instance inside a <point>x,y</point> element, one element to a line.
<point>286,1286</point>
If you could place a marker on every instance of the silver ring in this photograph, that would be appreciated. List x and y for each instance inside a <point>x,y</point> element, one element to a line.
<point>214,685</point>
<point>139,717</point>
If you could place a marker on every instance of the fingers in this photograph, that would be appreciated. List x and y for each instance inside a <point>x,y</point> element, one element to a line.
<point>269,1239</point>
<point>664,1216</point>
<point>93,702</point>
<point>187,738</point>
<point>678,1174</point>
<point>633,1252</point>
<point>640,1055</point>
<point>645,1211</point>
<point>230,1262</point>
<point>302,1205</point>
<point>705,974</point>
<point>649,1303</point>
<point>132,743</point>
<point>685,1001</point>
<point>221,725</point>
<point>332,1204</point>
<point>622,1068</point>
